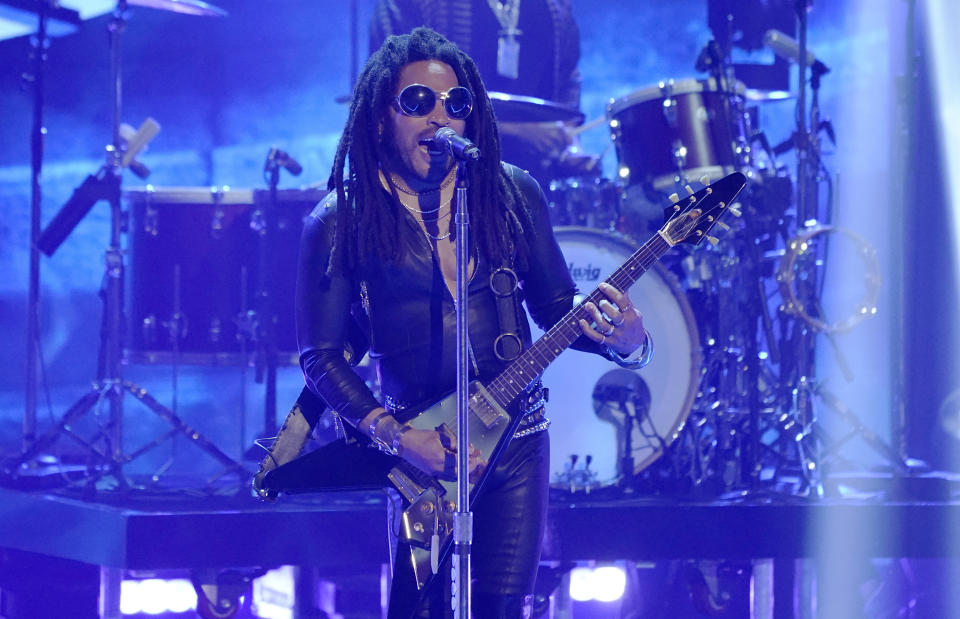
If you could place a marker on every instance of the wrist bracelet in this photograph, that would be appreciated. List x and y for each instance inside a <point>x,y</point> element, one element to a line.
<point>635,360</point>
<point>372,431</point>
<point>395,446</point>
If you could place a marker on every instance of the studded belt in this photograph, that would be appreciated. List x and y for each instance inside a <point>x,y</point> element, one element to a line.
<point>534,418</point>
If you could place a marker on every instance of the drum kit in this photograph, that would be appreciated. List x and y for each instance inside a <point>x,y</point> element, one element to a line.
<point>699,419</point>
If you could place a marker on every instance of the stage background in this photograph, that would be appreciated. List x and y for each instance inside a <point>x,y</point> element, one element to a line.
<point>226,90</point>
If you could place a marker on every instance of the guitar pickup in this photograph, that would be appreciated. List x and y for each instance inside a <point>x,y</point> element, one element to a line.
<point>485,407</point>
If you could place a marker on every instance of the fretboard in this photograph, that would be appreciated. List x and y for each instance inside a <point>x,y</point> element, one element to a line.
<point>523,370</point>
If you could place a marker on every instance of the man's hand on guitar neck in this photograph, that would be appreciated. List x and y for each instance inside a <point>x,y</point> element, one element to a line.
<point>432,451</point>
<point>617,323</point>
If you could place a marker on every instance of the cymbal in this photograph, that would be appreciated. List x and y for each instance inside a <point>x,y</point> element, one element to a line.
<point>519,108</point>
<point>186,7</point>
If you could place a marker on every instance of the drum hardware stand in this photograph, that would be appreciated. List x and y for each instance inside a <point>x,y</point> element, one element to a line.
<point>264,319</point>
<point>798,340</point>
<point>40,41</point>
<point>634,402</point>
<point>110,385</point>
<point>857,429</point>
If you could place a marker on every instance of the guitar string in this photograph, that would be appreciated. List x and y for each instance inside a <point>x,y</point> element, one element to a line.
<point>647,255</point>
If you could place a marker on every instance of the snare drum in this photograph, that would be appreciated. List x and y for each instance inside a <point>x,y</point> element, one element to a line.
<point>590,396</point>
<point>194,269</point>
<point>675,131</point>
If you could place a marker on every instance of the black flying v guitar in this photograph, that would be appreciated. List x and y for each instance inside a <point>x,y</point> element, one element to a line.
<point>427,522</point>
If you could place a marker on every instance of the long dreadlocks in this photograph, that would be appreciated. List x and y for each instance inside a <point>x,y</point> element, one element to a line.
<point>366,220</point>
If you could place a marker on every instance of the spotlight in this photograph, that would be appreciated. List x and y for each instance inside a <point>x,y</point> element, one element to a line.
<point>603,584</point>
<point>155,596</point>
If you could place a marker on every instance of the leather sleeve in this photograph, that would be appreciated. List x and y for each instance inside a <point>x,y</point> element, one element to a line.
<point>325,327</point>
<point>548,289</point>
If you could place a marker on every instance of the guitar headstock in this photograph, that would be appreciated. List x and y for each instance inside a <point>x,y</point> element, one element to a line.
<point>690,219</point>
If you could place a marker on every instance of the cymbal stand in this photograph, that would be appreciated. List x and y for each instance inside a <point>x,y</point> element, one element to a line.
<point>732,377</point>
<point>106,445</point>
<point>808,209</point>
<point>36,164</point>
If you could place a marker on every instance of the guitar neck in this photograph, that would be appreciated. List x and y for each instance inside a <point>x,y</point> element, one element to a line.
<point>528,366</point>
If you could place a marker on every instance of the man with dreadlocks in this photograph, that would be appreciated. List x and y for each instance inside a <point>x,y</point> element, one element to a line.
<point>377,259</point>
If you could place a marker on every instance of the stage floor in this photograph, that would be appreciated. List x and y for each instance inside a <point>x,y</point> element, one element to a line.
<point>346,532</point>
<point>170,529</point>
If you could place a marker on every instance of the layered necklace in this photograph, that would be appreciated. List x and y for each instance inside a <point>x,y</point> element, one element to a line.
<point>430,215</point>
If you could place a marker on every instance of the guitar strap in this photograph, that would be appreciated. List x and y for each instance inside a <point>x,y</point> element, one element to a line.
<point>505,285</point>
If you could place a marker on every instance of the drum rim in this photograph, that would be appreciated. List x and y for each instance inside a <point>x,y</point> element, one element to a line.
<point>682,86</point>
<point>696,354</point>
<point>188,195</point>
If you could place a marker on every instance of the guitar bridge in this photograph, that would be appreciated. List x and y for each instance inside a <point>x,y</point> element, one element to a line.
<point>487,410</point>
<point>405,484</point>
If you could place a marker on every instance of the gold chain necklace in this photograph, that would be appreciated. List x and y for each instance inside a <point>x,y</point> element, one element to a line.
<point>421,212</point>
<point>446,183</point>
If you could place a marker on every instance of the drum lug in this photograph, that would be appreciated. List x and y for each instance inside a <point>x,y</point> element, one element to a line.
<point>148,329</point>
<point>215,331</point>
<point>216,223</point>
<point>150,221</point>
<point>679,155</point>
<point>258,223</point>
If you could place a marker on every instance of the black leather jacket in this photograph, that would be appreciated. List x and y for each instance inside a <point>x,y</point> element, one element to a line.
<point>406,313</point>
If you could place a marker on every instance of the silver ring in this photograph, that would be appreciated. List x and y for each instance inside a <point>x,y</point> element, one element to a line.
<point>606,333</point>
<point>603,338</point>
<point>618,324</point>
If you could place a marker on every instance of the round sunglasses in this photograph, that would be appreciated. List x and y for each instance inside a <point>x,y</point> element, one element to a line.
<point>419,100</point>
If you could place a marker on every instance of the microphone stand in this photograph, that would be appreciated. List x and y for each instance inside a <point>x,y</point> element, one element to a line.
<point>266,354</point>
<point>463,518</point>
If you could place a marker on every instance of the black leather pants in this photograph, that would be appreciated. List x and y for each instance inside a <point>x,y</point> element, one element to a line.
<point>509,519</point>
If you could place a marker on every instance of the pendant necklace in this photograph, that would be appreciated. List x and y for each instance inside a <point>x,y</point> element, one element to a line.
<point>508,47</point>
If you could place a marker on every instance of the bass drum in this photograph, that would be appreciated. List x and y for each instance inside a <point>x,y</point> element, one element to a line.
<point>593,402</point>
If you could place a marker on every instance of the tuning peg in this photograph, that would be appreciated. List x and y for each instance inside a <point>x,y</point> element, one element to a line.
<point>723,225</point>
<point>674,198</point>
<point>689,189</point>
<point>712,240</point>
<point>735,211</point>
<point>704,180</point>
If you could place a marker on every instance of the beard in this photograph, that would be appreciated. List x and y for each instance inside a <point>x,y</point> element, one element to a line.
<point>407,160</point>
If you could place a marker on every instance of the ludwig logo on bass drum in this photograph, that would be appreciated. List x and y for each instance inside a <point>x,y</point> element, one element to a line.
<point>588,273</point>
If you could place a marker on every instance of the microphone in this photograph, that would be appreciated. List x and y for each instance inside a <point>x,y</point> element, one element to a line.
<point>277,157</point>
<point>460,147</point>
<point>788,49</point>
